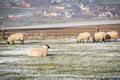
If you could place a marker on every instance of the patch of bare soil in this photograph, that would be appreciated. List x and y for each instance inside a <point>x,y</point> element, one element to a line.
<point>64,32</point>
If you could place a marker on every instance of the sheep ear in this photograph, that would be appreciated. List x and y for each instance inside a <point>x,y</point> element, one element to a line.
<point>45,44</point>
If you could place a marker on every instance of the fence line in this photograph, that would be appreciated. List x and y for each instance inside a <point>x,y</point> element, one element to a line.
<point>67,31</point>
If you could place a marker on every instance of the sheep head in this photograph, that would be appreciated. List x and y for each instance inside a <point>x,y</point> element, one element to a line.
<point>93,38</point>
<point>47,46</point>
<point>8,42</point>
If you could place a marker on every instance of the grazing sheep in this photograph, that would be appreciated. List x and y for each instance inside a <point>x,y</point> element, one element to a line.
<point>112,35</point>
<point>40,52</point>
<point>83,36</point>
<point>16,37</point>
<point>99,36</point>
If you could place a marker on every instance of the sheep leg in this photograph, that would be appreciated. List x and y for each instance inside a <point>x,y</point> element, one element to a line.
<point>87,40</point>
<point>97,40</point>
<point>109,40</point>
<point>13,42</point>
<point>77,41</point>
<point>81,41</point>
<point>8,42</point>
<point>22,42</point>
<point>94,39</point>
<point>103,40</point>
<point>115,40</point>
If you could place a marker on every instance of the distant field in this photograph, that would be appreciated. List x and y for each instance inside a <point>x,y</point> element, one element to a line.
<point>67,60</point>
<point>61,32</point>
<point>5,11</point>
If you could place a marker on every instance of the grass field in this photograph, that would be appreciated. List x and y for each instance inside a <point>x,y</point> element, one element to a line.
<point>66,60</point>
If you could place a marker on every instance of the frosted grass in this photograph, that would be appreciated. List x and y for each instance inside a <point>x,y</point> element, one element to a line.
<point>66,60</point>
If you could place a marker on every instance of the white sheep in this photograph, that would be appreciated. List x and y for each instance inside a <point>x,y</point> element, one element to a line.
<point>112,35</point>
<point>39,52</point>
<point>16,37</point>
<point>83,36</point>
<point>99,36</point>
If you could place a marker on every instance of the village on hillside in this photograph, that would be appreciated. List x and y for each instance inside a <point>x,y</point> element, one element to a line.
<point>29,12</point>
<point>64,8</point>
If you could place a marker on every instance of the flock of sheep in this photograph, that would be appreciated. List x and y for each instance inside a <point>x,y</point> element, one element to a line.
<point>43,51</point>
<point>98,36</point>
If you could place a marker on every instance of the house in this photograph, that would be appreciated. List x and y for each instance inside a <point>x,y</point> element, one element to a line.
<point>10,16</point>
<point>7,5</point>
<point>68,14</point>
<point>84,7</point>
<point>25,4</point>
<point>45,13</point>
<point>53,14</point>
<point>108,14</point>
<point>10,4</point>
<point>59,7</point>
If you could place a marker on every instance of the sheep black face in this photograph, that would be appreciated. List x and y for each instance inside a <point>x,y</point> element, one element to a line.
<point>8,42</point>
<point>47,46</point>
<point>108,37</point>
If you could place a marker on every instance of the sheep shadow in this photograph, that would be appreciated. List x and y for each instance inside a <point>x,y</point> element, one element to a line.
<point>91,41</point>
<point>32,43</point>
<point>113,41</point>
<point>51,54</point>
<point>2,43</point>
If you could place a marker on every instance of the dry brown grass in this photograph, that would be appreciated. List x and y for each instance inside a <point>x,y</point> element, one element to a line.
<point>50,33</point>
